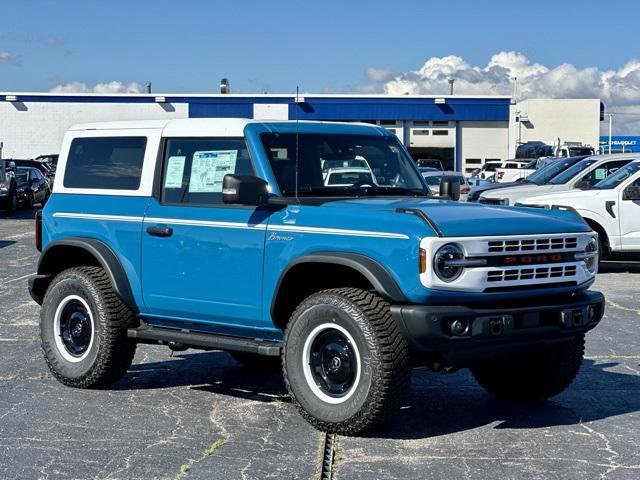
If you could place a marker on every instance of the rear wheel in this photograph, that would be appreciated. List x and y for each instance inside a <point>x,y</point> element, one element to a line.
<point>345,361</point>
<point>534,376</point>
<point>83,328</point>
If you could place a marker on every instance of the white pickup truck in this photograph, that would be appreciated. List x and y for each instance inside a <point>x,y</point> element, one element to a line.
<point>584,174</point>
<point>515,173</point>
<point>611,208</point>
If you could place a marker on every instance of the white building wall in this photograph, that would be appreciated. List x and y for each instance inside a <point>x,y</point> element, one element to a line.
<point>35,128</point>
<point>570,120</point>
<point>481,141</point>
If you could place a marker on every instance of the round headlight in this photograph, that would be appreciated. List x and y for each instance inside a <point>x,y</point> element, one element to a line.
<point>442,259</point>
<point>592,255</point>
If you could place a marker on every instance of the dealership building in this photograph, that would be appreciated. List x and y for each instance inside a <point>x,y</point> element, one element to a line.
<point>461,131</point>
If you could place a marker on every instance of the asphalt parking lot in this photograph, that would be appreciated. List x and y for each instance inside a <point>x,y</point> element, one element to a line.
<point>200,415</point>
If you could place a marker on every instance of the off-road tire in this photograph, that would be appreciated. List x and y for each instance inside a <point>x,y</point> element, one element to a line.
<point>383,353</point>
<point>532,377</point>
<point>256,361</point>
<point>111,352</point>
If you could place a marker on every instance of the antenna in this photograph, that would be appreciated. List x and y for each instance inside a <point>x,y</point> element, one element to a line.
<point>297,140</point>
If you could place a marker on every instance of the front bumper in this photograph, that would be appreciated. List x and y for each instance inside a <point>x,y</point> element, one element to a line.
<point>496,330</point>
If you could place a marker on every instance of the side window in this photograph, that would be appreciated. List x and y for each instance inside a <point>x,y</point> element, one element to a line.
<point>193,169</point>
<point>603,171</point>
<point>111,163</point>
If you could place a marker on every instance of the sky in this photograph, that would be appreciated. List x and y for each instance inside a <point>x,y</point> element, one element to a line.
<point>555,48</point>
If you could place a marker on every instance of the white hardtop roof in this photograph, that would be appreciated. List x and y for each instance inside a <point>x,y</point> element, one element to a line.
<point>193,127</point>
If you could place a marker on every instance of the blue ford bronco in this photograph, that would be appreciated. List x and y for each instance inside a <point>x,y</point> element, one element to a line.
<point>230,234</point>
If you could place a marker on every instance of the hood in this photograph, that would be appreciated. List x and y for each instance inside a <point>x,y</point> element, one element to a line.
<point>462,219</point>
<point>476,191</point>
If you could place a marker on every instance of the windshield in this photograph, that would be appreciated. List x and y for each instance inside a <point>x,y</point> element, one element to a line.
<point>615,179</point>
<point>491,167</point>
<point>569,173</point>
<point>349,178</point>
<point>433,180</point>
<point>387,168</point>
<point>574,151</point>
<point>22,175</point>
<point>549,171</point>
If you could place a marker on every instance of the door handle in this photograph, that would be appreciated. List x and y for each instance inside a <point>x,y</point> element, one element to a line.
<point>158,231</point>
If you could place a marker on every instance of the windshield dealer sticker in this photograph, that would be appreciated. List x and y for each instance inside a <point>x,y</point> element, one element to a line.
<point>175,171</point>
<point>209,168</point>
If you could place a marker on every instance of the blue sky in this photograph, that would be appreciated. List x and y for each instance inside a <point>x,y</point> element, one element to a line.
<point>274,45</point>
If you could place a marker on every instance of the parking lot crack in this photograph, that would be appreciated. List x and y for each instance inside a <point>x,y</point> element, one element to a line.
<point>620,307</point>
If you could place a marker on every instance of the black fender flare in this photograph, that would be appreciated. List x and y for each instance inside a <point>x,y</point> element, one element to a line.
<point>379,277</point>
<point>97,249</point>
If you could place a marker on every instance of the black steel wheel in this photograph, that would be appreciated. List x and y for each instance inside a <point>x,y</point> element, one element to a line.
<point>345,361</point>
<point>83,328</point>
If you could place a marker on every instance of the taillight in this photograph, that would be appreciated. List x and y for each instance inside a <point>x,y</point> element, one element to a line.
<point>465,190</point>
<point>500,175</point>
<point>39,230</point>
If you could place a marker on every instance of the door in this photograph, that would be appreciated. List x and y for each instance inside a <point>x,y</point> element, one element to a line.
<point>629,213</point>
<point>202,259</point>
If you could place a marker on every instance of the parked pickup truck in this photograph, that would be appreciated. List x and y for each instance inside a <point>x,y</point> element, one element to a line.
<point>611,208</point>
<point>583,174</point>
<point>519,172</point>
<point>540,177</point>
<point>222,234</point>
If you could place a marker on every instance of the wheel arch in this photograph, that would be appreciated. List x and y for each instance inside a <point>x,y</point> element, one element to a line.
<point>71,252</point>
<point>329,270</point>
<point>599,229</point>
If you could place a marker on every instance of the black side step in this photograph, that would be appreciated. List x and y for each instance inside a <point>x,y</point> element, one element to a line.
<point>164,336</point>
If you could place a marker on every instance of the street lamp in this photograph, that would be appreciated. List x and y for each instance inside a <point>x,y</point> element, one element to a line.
<point>610,115</point>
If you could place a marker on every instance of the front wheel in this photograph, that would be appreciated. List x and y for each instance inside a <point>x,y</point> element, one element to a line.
<point>83,328</point>
<point>345,361</point>
<point>532,377</point>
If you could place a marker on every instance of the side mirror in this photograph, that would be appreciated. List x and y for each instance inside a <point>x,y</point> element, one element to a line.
<point>450,187</point>
<point>631,193</point>
<point>244,190</point>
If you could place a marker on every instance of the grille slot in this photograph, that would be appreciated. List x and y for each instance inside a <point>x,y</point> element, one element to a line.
<point>537,273</point>
<point>532,245</point>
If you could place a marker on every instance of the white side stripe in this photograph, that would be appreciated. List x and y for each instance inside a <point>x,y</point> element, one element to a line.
<point>95,216</point>
<point>336,231</point>
<point>237,225</point>
<point>205,223</point>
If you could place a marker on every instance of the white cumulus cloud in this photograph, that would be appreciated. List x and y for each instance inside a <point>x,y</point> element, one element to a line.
<point>619,89</point>
<point>108,87</point>
<point>9,58</point>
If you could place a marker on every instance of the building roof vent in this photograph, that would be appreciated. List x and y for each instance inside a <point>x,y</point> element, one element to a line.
<point>224,86</point>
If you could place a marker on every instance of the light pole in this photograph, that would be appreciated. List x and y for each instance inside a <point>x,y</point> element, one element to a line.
<point>610,128</point>
<point>451,81</point>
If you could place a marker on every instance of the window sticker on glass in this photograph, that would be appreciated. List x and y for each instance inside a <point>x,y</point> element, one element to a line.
<point>175,171</point>
<point>601,173</point>
<point>209,168</point>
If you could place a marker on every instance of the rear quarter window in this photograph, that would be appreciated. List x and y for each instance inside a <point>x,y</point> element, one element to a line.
<point>108,163</point>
